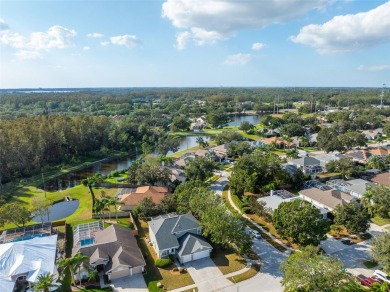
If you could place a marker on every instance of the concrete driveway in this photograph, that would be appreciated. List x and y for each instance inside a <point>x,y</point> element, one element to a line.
<point>206,275</point>
<point>332,245</point>
<point>135,283</point>
<point>268,280</point>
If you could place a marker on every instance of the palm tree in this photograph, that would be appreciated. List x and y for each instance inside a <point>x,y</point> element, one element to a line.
<point>45,283</point>
<point>200,141</point>
<point>366,201</point>
<point>89,182</point>
<point>66,265</point>
<point>304,141</point>
<point>113,202</point>
<point>78,260</point>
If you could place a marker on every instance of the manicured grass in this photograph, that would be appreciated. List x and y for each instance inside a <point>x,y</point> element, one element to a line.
<point>164,275</point>
<point>181,153</point>
<point>228,261</point>
<point>370,264</point>
<point>380,221</point>
<point>114,179</point>
<point>246,275</point>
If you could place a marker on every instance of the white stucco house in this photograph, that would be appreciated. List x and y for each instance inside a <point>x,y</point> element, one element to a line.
<point>178,235</point>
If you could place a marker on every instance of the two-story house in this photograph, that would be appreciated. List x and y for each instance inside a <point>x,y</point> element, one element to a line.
<point>178,235</point>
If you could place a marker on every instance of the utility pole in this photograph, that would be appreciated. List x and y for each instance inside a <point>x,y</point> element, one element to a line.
<point>43,180</point>
<point>382,94</point>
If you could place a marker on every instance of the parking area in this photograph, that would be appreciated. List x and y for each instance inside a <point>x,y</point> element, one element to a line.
<point>135,283</point>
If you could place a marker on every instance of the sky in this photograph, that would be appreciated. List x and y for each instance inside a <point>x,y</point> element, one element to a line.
<point>194,43</point>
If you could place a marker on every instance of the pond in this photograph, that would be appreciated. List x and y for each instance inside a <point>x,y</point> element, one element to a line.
<point>58,211</point>
<point>189,142</point>
<point>254,120</point>
<point>105,167</point>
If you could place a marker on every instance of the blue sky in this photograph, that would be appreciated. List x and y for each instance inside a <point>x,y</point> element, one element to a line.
<point>196,43</point>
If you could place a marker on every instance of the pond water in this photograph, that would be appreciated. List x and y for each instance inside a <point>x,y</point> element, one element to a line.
<point>254,120</point>
<point>74,178</point>
<point>58,211</point>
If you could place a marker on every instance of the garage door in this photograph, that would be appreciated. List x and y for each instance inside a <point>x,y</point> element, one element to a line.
<point>201,255</point>
<point>185,259</point>
<point>120,273</point>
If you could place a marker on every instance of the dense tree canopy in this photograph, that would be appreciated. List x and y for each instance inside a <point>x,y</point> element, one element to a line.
<point>307,270</point>
<point>257,172</point>
<point>300,222</point>
<point>381,249</point>
<point>377,200</point>
<point>353,216</point>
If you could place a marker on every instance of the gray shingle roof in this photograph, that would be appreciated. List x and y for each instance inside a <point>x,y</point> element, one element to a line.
<point>305,161</point>
<point>192,243</point>
<point>164,228</point>
<point>116,243</point>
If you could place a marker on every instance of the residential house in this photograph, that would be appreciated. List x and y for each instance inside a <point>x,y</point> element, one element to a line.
<point>112,251</point>
<point>325,158</point>
<point>382,179</point>
<point>277,197</point>
<point>309,165</point>
<point>25,254</point>
<point>279,142</point>
<point>178,235</point>
<point>354,187</point>
<point>220,151</point>
<point>360,156</point>
<point>372,134</point>
<point>130,201</point>
<point>380,152</point>
<point>328,199</point>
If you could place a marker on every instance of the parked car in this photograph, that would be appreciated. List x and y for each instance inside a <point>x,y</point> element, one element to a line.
<point>255,234</point>
<point>382,275</point>
<point>377,279</point>
<point>363,280</point>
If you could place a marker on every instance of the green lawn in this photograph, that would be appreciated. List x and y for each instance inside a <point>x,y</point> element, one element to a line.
<point>228,261</point>
<point>380,221</point>
<point>246,275</point>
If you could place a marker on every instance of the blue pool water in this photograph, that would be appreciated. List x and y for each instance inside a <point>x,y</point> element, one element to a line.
<point>28,237</point>
<point>86,241</point>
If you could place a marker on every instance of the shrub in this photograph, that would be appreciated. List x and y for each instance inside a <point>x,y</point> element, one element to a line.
<point>162,263</point>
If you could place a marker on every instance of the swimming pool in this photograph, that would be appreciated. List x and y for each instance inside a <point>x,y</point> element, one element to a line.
<point>86,241</point>
<point>28,237</point>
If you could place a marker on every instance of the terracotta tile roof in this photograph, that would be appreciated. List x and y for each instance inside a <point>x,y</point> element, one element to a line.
<point>153,192</point>
<point>277,140</point>
<point>382,178</point>
<point>378,151</point>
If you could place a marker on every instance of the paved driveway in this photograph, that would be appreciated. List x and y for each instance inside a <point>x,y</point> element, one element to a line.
<point>268,280</point>
<point>135,283</point>
<point>332,245</point>
<point>206,275</point>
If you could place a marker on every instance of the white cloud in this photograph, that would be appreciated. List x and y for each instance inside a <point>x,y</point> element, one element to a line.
<point>373,68</point>
<point>104,43</point>
<point>210,21</point>
<point>28,55</point>
<point>258,46</point>
<point>3,25</point>
<point>348,32</point>
<point>56,37</point>
<point>86,48</point>
<point>129,41</point>
<point>95,35</point>
<point>238,59</point>
<point>181,40</point>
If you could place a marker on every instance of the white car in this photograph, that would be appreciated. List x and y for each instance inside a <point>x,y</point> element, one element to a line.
<point>255,234</point>
<point>382,275</point>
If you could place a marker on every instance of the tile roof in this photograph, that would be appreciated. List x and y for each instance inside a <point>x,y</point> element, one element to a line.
<point>153,192</point>
<point>382,178</point>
